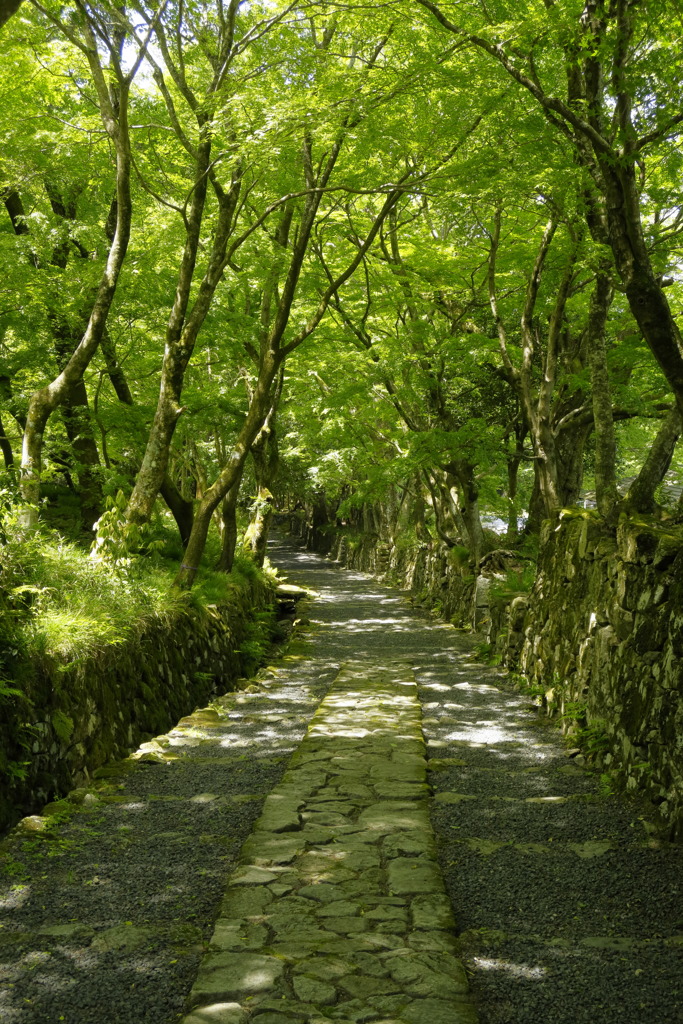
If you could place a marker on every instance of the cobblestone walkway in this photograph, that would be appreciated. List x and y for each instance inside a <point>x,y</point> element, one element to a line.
<point>339,906</point>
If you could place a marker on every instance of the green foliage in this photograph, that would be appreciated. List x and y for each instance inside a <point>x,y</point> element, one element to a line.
<point>459,556</point>
<point>255,644</point>
<point>516,582</point>
<point>403,386</point>
<point>63,725</point>
<point>536,691</point>
<point>593,737</point>
<point>14,712</point>
<point>607,784</point>
<point>71,606</point>
<point>574,712</point>
<point>117,539</point>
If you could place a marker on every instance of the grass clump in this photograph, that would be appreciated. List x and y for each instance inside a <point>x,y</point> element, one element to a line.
<point>66,605</point>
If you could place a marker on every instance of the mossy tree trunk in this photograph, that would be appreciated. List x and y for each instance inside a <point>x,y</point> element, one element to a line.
<point>66,335</point>
<point>641,493</point>
<point>266,460</point>
<point>603,416</point>
<point>6,448</point>
<point>229,520</point>
<point>180,507</point>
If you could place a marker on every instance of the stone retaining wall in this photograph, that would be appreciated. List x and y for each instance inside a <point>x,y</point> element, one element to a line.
<point>86,713</point>
<point>603,636</point>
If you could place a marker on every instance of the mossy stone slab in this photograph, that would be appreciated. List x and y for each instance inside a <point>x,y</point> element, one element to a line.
<point>247,902</point>
<point>236,976</point>
<point>438,1011</point>
<point>360,986</point>
<point>432,911</point>
<point>394,816</point>
<point>314,990</point>
<point>407,875</point>
<point>429,974</point>
<point>238,936</point>
<point>217,1013</point>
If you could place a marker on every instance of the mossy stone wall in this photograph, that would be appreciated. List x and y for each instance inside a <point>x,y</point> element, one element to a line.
<point>602,634</point>
<point>83,714</point>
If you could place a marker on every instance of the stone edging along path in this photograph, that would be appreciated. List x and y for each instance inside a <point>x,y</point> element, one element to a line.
<point>338,910</point>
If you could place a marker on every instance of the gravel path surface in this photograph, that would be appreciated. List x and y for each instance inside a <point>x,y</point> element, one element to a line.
<point>568,911</point>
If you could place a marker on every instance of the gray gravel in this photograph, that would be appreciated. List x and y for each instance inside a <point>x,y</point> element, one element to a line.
<point>568,910</point>
<point>548,934</point>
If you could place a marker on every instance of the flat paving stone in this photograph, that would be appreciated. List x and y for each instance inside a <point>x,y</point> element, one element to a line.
<point>218,1013</point>
<point>238,975</point>
<point>407,875</point>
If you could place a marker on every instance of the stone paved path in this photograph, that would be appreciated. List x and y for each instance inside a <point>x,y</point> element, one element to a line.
<point>567,909</point>
<point>104,915</point>
<point>339,910</point>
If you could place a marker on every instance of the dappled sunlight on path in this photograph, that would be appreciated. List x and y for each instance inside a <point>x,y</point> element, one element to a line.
<point>307,795</point>
<point>568,910</point>
<point>339,900</point>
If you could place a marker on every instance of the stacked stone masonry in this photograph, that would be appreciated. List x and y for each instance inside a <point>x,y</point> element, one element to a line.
<point>603,631</point>
<point>87,713</point>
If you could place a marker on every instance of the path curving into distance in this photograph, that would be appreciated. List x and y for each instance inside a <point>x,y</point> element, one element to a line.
<point>272,874</point>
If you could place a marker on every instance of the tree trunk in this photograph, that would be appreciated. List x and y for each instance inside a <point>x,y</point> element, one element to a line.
<point>256,535</point>
<point>86,462</point>
<point>115,370</point>
<point>75,411</point>
<point>463,473</point>
<point>15,411</point>
<point>603,418</point>
<point>448,520</point>
<point>78,425</point>
<point>569,447</point>
<point>180,508</point>
<point>182,332</point>
<point>641,493</point>
<point>513,464</point>
<point>266,459</point>
<point>44,401</point>
<point>646,298</point>
<point>7,9</point>
<point>258,410</point>
<point>6,448</point>
<point>417,513</point>
<point>229,516</point>
<point>320,521</point>
<point>536,507</point>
